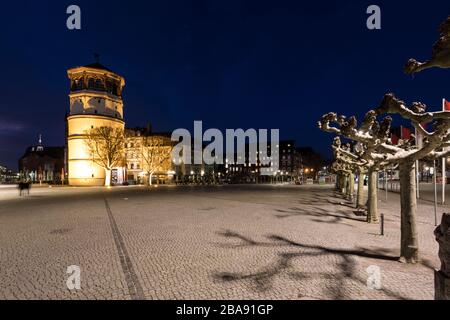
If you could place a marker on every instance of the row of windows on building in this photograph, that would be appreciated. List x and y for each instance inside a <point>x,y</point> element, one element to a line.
<point>137,166</point>
<point>134,166</point>
<point>99,101</point>
<point>116,114</point>
<point>130,145</point>
<point>96,84</point>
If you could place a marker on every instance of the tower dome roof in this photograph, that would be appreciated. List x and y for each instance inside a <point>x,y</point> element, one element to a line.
<point>97,65</point>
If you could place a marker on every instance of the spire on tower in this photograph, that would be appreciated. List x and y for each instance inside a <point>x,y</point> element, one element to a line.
<point>40,147</point>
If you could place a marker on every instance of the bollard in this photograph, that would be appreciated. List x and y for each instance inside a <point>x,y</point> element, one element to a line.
<point>382,224</point>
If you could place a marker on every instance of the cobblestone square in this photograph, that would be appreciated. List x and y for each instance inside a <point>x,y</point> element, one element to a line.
<point>229,242</point>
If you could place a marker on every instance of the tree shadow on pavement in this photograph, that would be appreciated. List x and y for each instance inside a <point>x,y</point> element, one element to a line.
<point>262,279</point>
<point>316,197</point>
<point>321,198</point>
<point>319,213</point>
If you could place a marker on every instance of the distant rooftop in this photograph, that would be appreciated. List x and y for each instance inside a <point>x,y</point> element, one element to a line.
<point>52,152</point>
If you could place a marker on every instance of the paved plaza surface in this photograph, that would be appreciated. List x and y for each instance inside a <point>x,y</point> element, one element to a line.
<point>229,242</point>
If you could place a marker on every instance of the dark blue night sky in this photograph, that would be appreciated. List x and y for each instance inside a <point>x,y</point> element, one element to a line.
<point>233,64</point>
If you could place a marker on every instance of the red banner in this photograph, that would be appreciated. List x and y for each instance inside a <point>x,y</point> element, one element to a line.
<point>406,134</point>
<point>394,139</point>
<point>446,105</point>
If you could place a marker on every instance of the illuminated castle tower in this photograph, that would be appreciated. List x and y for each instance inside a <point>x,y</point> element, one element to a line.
<point>95,101</point>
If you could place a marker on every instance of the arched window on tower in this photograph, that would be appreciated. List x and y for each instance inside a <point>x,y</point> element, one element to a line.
<point>91,84</point>
<point>115,89</point>
<point>77,85</point>
<point>99,85</point>
<point>109,86</point>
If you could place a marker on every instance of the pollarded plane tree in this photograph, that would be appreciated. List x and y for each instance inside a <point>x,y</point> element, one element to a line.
<point>370,136</point>
<point>343,172</point>
<point>336,168</point>
<point>440,57</point>
<point>346,166</point>
<point>433,141</point>
<point>406,156</point>
<point>341,169</point>
<point>355,164</point>
<point>381,153</point>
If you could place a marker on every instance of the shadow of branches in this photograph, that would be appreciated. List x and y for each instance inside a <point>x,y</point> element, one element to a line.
<point>262,280</point>
<point>318,212</point>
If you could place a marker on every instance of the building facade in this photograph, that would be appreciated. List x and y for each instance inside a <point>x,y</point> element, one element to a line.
<point>8,176</point>
<point>289,159</point>
<point>42,164</point>
<point>288,165</point>
<point>148,156</point>
<point>95,101</point>
<point>2,174</point>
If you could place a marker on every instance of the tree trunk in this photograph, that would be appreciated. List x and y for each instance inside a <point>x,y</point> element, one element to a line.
<point>344,184</point>
<point>341,182</point>
<point>150,178</point>
<point>409,240</point>
<point>360,196</point>
<point>372,208</point>
<point>107,178</point>
<point>351,186</point>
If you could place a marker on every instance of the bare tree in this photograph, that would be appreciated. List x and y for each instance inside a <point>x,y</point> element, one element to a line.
<point>106,146</point>
<point>354,163</point>
<point>156,155</point>
<point>440,55</point>
<point>406,156</point>
<point>345,167</point>
<point>341,170</point>
<point>371,135</point>
<point>380,152</point>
